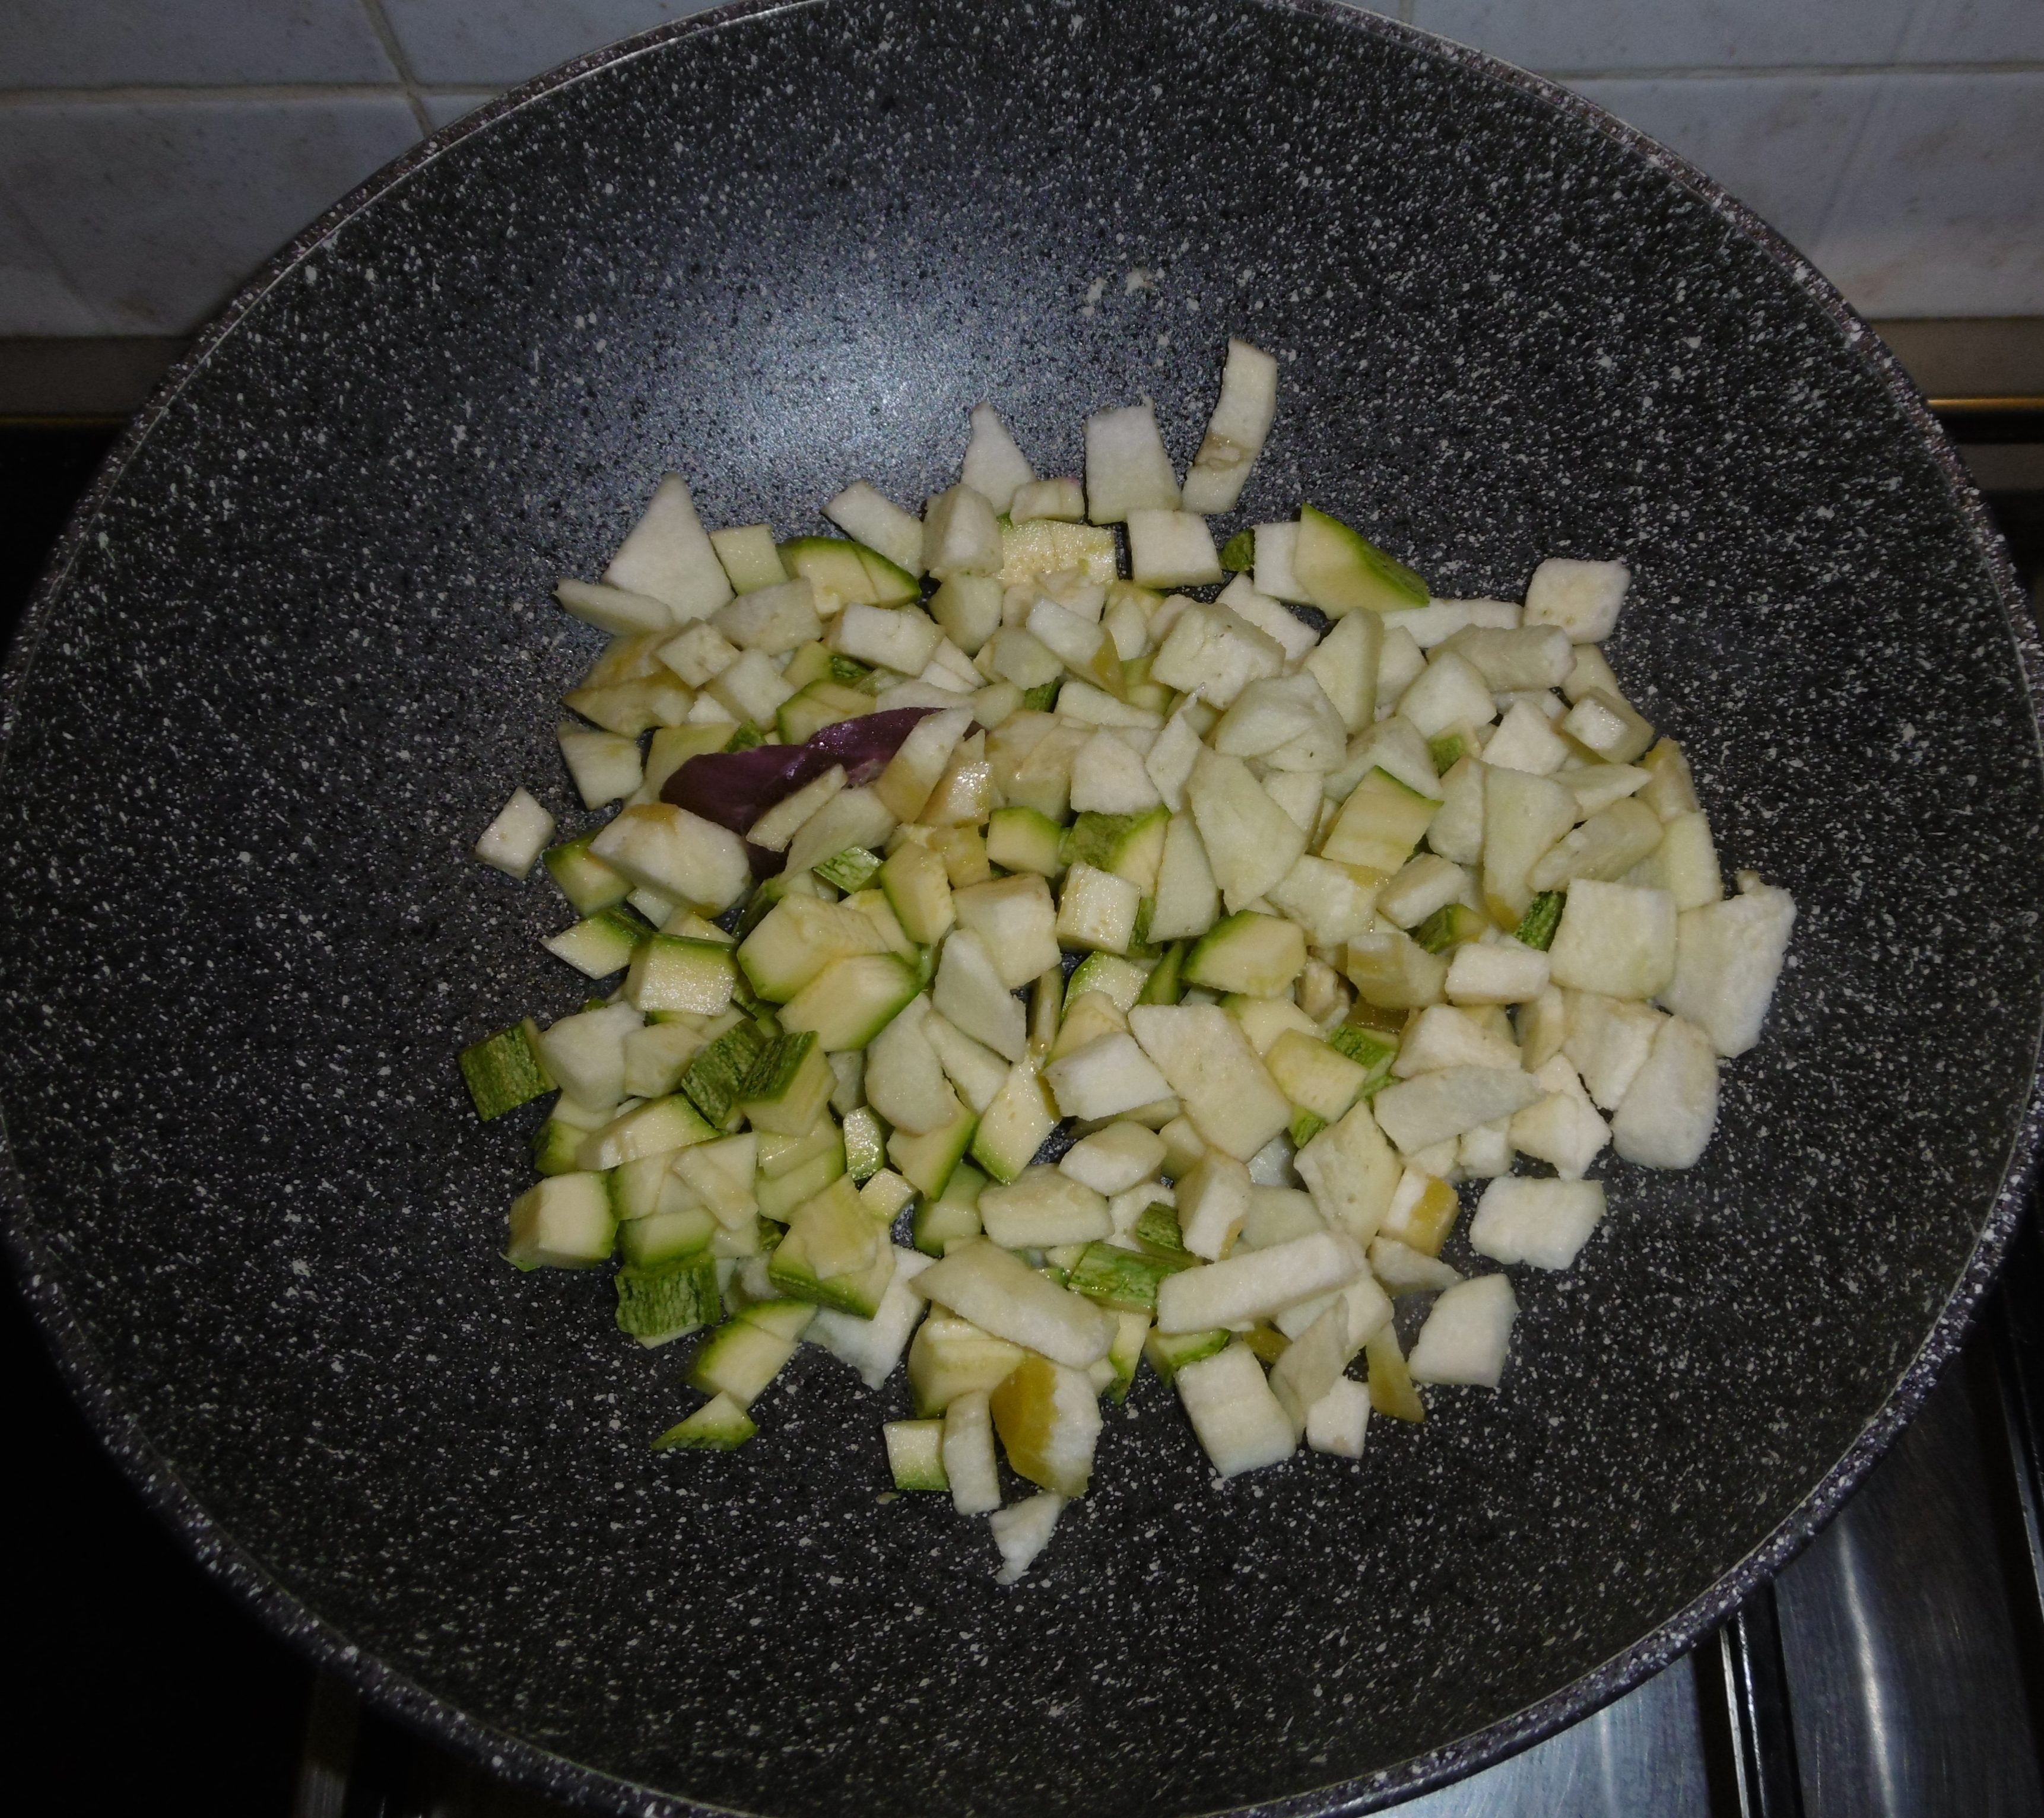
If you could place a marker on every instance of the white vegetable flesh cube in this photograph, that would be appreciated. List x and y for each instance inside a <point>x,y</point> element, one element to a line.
<point>1417,1114</point>
<point>1603,723</point>
<point>1728,958</point>
<point>891,637</point>
<point>1109,778</point>
<point>699,654</point>
<point>1113,1160</point>
<point>1332,902</point>
<point>605,765</point>
<point>1228,1094</point>
<point>1250,841</point>
<point>1563,1128</point>
<point>1338,1422</point>
<point>1311,1364</point>
<point>873,1347</point>
<point>967,608</point>
<point>1351,1172</point>
<point>1105,1077</point>
<point>1042,1207</point>
<point>971,992</point>
<point>563,1222</point>
<point>1468,1335</point>
<point>1018,923</point>
<point>976,1071</point>
<point>905,1080</point>
<point>994,466</point>
<point>1449,692</point>
<point>1214,650</point>
<point>1608,1041</point>
<point>1240,1423</point>
<point>586,1054</point>
<point>1127,469</point>
<point>1615,939</point>
<point>1001,1294</point>
<point>1252,1285</point>
<point>668,557</point>
<point>1583,598</point>
<point>1685,863</point>
<point>1061,499</point>
<point>1213,1203</point>
<point>1543,1222</point>
<point>772,619</point>
<point>1170,549</point>
<point>865,515</point>
<point>1187,900</point>
<point>1236,432</point>
<point>1291,634</point>
<point>1671,1107</point>
<point>1445,1037</point>
<point>1425,883</point>
<point>613,609</point>
<point>681,855</point>
<point>749,557</point>
<point>1512,659</point>
<point>1610,844</point>
<point>1498,972</point>
<point>1022,1530</point>
<point>1523,816</point>
<point>751,688</point>
<point>968,1454</point>
<point>1345,664</point>
<point>1525,740</point>
<point>513,841</point>
<point>960,534</point>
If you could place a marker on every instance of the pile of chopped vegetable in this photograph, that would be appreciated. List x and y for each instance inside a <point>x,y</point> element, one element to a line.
<point>1272,916</point>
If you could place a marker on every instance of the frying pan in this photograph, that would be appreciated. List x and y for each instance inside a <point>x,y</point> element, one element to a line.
<point>297,647</point>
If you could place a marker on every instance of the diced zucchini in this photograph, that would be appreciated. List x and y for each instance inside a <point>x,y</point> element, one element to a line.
<point>716,1076</point>
<point>1165,984</point>
<point>659,1302</point>
<point>599,945</point>
<point>797,938</point>
<point>865,1143</point>
<point>885,1195</point>
<point>918,889</point>
<point>657,1127</point>
<point>851,1000</point>
<point>807,712</point>
<point>1169,1353</point>
<point>780,1154</point>
<point>1020,839</point>
<point>781,1195</point>
<point>926,1162</point>
<point>1130,845</point>
<point>554,1146</point>
<point>666,1237</point>
<point>1123,1279</point>
<point>584,879</point>
<point>1047,1415</point>
<point>1045,545</point>
<point>1393,971</point>
<point>1450,926</point>
<point>1342,571</point>
<point>950,1357</point>
<point>720,1424</point>
<point>565,1223</point>
<point>952,1216</point>
<point>1256,954</point>
<point>790,1085</point>
<point>1372,1049</point>
<point>743,1356</point>
<point>671,972</point>
<point>851,869</point>
<point>835,1254</point>
<point>1379,825</point>
<point>845,572</point>
<point>505,1071</point>
<point>916,1454</point>
<point>1096,910</point>
<point>1013,1128</point>
<point>1542,917</point>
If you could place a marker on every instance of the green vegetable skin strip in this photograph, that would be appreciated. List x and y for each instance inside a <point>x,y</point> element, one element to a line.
<point>851,869</point>
<point>1157,1231</point>
<point>1369,1049</point>
<point>1122,1278</point>
<point>716,1078</point>
<point>1238,555</point>
<point>1043,699</point>
<point>667,1300</point>
<point>1448,926</point>
<point>1542,917</point>
<point>505,1071</point>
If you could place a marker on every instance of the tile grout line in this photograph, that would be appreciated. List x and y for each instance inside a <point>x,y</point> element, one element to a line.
<point>380,24</point>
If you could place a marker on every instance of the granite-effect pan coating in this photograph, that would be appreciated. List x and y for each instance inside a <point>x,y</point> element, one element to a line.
<point>298,648</point>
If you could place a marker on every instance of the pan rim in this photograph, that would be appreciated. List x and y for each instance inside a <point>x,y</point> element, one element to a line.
<point>238,1570</point>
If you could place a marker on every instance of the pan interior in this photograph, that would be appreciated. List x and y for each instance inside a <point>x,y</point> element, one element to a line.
<point>307,649</point>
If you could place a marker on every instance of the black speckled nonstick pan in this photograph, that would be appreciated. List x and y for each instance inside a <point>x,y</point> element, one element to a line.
<point>298,647</point>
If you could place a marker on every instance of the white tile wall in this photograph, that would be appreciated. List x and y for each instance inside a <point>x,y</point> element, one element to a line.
<point>152,211</point>
<point>153,152</point>
<point>92,44</point>
<point>494,45</point>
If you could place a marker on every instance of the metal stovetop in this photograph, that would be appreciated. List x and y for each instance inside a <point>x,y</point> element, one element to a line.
<point>1895,1670</point>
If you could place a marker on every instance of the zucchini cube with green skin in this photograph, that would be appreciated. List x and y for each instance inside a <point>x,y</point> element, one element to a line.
<point>666,1237</point>
<point>554,1147</point>
<point>926,1162</point>
<point>1120,981</point>
<point>743,1356</point>
<point>781,1154</point>
<point>505,1071</point>
<point>1013,1128</point>
<point>603,943</point>
<point>918,889</point>
<point>565,1223</point>
<point>659,1303</point>
<point>1169,1352</point>
<point>781,1195</point>
<point>1255,954</point>
<point>717,1074</point>
<point>1452,925</point>
<point>1130,845</point>
<point>720,1424</point>
<point>835,1254</point>
<point>796,938</point>
<point>583,878</point>
<point>851,870</point>
<point>1316,1077</point>
<point>1372,1049</point>
<point>1020,839</point>
<point>1124,1281</point>
<point>916,1454</point>
<point>790,1085</point>
<point>654,1128</point>
<point>670,972</point>
<point>851,1000</point>
<point>1343,572</point>
<point>950,1357</point>
<point>1379,825</point>
<point>639,1189</point>
<point>1393,971</point>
